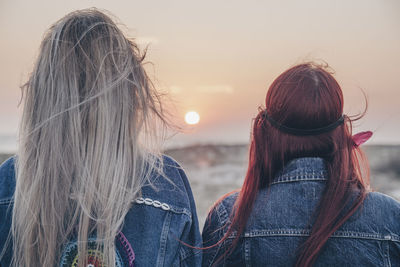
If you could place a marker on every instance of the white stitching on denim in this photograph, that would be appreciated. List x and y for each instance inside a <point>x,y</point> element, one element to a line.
<point>154,203</point>
<point>6,201</point>
<point>163,240</point>
<point>303,232</point>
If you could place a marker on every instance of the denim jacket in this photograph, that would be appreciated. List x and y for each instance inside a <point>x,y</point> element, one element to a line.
<point>279,221</point>
<point>153,228</point>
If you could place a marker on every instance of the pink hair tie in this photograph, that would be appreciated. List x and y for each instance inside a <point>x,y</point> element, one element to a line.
<point>361,138</point>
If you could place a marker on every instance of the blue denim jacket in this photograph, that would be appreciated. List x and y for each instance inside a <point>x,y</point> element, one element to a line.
<point>152,228</point>
<point>279,219</point>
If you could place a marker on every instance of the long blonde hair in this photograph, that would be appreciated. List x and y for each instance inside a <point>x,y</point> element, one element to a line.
<point>85,145</point>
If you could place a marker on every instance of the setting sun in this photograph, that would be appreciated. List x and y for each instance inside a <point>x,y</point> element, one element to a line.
<point>192,117</point>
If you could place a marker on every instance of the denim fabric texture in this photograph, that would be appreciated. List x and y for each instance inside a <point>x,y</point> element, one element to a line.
<point>280,222</point>
<point>164,215</point>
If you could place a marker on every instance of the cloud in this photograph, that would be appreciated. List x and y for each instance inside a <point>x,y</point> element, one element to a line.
<point>226,89</point>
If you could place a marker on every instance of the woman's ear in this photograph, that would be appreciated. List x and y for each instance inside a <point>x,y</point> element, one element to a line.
<point>361,138</point>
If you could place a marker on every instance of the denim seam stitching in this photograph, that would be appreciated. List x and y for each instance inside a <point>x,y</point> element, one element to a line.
<point>6,201</point>
<point>299,176</point>
<point>163,240</point>
<point>211,260</point>
<point>386,253</point>
<point>299,180</point>
<point>185,255</point>
<point>247,253</point>
<point>222,213</point>
<point>337,234</point>
<point>185,252</point>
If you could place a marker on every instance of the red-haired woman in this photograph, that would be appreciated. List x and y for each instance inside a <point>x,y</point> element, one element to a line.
<point>305,199</point>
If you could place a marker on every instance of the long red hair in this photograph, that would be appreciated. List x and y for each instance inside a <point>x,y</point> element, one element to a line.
<point>305,97</point>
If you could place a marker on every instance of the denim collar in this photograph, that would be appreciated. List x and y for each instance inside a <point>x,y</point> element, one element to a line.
<point>302,169</point>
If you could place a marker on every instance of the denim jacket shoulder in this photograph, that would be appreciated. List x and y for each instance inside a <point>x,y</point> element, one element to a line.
<point>155,230</point>
<point>7,181</point>
<point>279,223</point>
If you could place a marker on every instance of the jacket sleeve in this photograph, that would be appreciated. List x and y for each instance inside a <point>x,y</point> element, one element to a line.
<point>7,179</point>
<point>7,187</point>
<point>190,252</point>
<point>212,233</point>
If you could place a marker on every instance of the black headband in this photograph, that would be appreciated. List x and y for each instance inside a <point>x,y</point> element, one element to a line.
<point>303,132</point>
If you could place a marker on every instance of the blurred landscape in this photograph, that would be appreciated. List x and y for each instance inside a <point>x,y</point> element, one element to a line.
<point>214,170</point>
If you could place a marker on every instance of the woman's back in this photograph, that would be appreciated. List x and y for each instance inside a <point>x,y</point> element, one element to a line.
<point>160,218</point>
<point>281,219</point>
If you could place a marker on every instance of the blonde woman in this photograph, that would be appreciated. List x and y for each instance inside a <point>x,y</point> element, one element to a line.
<point>87,186</point>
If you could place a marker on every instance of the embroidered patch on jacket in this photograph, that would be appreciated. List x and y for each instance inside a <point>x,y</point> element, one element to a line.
<point>124,255</point>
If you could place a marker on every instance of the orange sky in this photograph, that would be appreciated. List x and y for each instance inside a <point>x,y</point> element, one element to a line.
<point>219,57</point>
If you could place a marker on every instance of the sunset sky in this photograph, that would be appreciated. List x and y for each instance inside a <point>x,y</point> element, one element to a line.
<point>219,57</point>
